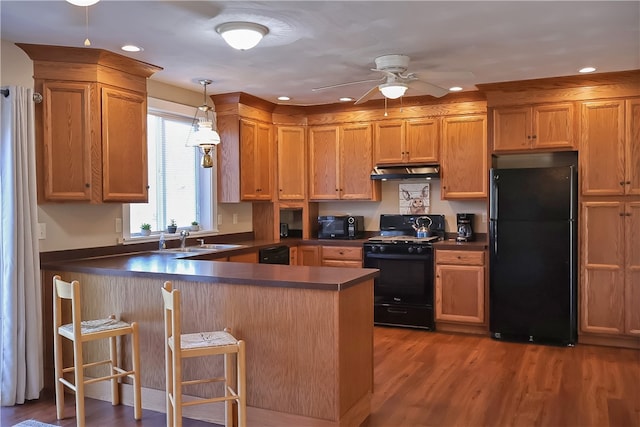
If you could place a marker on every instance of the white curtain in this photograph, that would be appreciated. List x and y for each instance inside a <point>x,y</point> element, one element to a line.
<point>21,358</point>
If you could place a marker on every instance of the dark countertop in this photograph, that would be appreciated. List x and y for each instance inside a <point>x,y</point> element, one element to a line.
<point>177,266</point>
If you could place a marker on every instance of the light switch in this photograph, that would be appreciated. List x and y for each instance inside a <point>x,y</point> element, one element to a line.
<point>118,225</point>
<point>42,231</point>
<point>235,218</point>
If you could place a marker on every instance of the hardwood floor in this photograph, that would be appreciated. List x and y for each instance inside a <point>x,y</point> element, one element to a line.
<point>437,379</point>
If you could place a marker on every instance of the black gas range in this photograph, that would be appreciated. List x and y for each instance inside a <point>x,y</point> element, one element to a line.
<point>404,290</point>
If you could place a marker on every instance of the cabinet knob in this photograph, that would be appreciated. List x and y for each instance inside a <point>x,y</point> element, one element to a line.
<point>534,137</point>
<point>87,185</point>
<point>629,182</point>
<point>621,182</point>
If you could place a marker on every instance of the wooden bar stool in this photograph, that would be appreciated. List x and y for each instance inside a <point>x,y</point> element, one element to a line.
<point>179,346</point>
<point>79,332</point>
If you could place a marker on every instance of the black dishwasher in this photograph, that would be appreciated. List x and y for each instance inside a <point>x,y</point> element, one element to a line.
<point>275,255</point>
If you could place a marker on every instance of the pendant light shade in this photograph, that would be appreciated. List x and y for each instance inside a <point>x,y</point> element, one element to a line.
<point>242,35</point>
<point>393,90</point>
<point>83,2</point>
<point>204,133</point>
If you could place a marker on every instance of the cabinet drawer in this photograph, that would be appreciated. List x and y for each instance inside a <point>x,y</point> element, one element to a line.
<point>460,257</point>
<point>341,263</point>
<point>342,253</point>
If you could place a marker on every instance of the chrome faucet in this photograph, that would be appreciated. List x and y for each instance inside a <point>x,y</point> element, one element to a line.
<point>183,238</point>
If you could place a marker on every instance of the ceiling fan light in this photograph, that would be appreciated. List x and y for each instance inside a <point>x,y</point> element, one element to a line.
<point>83,2</point>
<point>393,90</point>
<point>242,35</point>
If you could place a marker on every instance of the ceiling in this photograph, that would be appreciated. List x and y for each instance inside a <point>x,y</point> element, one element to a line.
<point>319,43</point>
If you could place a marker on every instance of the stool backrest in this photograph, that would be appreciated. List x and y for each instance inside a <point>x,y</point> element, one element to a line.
<point>172,327</point>
<point>66,291</point>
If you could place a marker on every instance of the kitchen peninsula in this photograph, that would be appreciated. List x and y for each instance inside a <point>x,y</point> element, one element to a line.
<point>309,330</point>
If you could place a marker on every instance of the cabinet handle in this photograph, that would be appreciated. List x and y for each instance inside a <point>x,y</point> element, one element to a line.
<point>534,137</point>
<point>628,214</point>
<point>629,182</point>
<point>621,182</point>
<point>528,136</point>
<point>87,185</point>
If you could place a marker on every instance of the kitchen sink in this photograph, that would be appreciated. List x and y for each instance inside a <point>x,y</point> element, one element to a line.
<point>202,249</point>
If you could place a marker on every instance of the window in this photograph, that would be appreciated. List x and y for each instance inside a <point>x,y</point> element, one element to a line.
<point>179,189</point>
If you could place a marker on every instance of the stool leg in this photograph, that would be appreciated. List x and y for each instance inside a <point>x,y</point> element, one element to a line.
<point>57,351</point>
<point>228,382</point>
<point>241,387</point>
<point>137,387</point>
<point>168,357</point>
<point>79,379</point>
<point>113,355</point>
<point>177,389</point>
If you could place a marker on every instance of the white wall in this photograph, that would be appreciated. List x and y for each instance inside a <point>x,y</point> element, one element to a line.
<point>390,205</point>
<point>80,225</point>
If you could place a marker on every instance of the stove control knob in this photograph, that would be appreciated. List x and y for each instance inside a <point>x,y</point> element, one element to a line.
<point>381,248</point>
<point>410,249</point>
<point>419,249</point>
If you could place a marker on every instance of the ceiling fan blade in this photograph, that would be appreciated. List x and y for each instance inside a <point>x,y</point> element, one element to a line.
<point>347,84</point>
<point>364,98</point>
<point>428,88</point>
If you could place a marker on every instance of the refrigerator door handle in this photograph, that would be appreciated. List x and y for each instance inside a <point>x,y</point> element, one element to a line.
<point>495,237</point>
<point>493,195</point>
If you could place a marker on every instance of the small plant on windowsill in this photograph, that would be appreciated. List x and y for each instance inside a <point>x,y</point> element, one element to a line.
<point>172,227</point>
<point>145,229</point>
<point>195,226</point>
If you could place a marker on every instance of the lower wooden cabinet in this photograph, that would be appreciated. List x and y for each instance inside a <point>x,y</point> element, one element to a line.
<point>248,257</point>
<point>460,286</point>
<point>309,255</point>
<point>342,256</point>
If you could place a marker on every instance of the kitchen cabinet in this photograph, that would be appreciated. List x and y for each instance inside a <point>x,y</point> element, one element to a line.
<point>291,147</point>
<point>342,256</point>
<point>537,127</point>
<point>463,156</point>
<point>256,165</point>
<point>460,286</point>
<point>340,163</point>
<point>610,268</point>
<point>609,148</point>
<point>309,255</point>
<point>293,255</point>
<point>91,127</point>
<point>251,257</point>
<point>406,141</point>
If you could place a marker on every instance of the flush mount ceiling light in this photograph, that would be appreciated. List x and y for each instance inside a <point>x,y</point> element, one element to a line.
<point>587,70</point>
<point>393,90</point>
<point>83,2</point>
<point>204,133</point>
<point>131,48</point>
<point>242,35</point>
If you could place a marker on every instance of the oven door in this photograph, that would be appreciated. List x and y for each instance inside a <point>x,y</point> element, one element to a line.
<point>403,279</point>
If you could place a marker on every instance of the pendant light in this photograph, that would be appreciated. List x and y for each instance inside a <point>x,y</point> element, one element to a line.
<point>204,133</point>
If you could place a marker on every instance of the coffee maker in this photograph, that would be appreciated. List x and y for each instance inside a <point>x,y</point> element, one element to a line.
<point>465,227</point>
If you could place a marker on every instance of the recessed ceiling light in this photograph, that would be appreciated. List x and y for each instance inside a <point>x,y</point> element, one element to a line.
<point>83,2</point>
<point>587,70</point>
<point>131,48</point>
<point>455,89</point>
<point>346,99</point>
<point>284,98</point>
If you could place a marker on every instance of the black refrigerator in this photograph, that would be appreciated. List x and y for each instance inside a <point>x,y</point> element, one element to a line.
<point>533,267</point>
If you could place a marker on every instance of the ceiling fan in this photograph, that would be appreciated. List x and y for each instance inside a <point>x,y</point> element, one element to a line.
<point>396,80</point>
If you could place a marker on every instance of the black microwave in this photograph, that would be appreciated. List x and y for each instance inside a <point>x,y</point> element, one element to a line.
<point>340,227</point>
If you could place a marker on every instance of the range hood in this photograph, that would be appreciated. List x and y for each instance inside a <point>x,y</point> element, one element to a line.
<point>406,172</point>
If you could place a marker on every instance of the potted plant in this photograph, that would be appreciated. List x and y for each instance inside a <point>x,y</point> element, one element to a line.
<point>195,226</point>
<point>172,227</point>
<point>145,229</point>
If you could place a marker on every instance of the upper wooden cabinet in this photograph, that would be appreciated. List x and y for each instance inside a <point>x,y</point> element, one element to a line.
<point>538,127</point>
<point>406,141</point>
<point>91,127</point>
<point>610,292</point>
<point>609,148</point>
<point>256,164</point>
<point>463,155</point>
<point>292,164</point>
<point>340,163</point>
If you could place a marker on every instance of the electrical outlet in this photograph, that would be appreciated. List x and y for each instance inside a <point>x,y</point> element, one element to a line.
<point>484,217</point>
<point>42,231</point>
<point>118,225</point>
<point>235,218</point>
<point>219,219</point>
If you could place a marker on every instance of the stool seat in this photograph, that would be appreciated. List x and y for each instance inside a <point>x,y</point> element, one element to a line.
<point>94,326</point>
<point>205,339</point>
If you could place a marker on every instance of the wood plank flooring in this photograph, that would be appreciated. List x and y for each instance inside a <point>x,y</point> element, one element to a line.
<point>437,379</point>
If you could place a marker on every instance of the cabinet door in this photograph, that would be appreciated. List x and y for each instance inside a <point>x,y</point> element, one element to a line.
<point>423,141</point>
<point>323,163</point>
<point>460,293</point>
<point>309,255</point>
<point>67,160</point>
<point>632,268</point>
<point>389,144</point>
<point>356,156</point>
<point>602,148</point>
<point>632,154</point>
<point>464,157</point>
<point>255,160</point>
<point>124,146</point>
<point>291,163</point>
<point>512,129</point>
<point>553,126</point>
<point>602,275</point>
